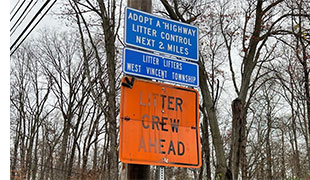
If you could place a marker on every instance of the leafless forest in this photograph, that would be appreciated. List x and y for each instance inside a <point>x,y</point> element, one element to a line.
<point>254,89</point>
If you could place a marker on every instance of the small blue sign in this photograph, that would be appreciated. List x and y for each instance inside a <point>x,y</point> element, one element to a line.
<point>146,31</point>
<point>147,65</point>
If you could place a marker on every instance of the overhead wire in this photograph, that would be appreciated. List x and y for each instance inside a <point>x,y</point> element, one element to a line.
<point>23,19</point>
<point>29,24</point>
<point>14,7</point>
<point>17,10</point>
<point>31,29</point>
<point>20,17</point>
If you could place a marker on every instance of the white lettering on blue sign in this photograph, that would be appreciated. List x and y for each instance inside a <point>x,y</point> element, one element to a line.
<point>148,65</point>
<point>146,31</point>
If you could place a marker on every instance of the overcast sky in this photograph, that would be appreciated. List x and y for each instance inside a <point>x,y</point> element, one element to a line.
<point>48,21</point>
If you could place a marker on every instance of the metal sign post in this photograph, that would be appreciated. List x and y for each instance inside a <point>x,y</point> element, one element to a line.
<point>161,173</point>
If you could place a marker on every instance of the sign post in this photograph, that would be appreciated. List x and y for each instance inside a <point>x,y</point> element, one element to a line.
<point>134,171</point>
<point>159,124</point>
<point>161,173</point>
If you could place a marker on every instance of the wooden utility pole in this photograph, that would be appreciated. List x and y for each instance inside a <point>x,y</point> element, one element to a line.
<point>143,5</point>
<point>135,171</point>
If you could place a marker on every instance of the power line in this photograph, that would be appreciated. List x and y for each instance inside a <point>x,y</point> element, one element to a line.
<point>32,20</point>
<point>22,15</point>
<point>14,7</point>
<point>24,18</point>
<point>17,10</point>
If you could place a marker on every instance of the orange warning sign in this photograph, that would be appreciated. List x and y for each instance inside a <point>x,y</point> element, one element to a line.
<point>159,124</point>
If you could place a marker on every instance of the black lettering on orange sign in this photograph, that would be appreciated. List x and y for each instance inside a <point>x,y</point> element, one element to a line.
<point>163,119</point>
<point>163,101</point>
<point>153,146</point>
<point>178,102</point>
<point>170,98</point>
<point>171,148</point>
<point>143,117</point>
<point>174,123</point>
<point>155,122</point>
<point>160,146</point>
<point>173,103</point>
<point>181,153</point>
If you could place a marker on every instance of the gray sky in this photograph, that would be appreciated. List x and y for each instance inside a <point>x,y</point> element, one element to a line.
<point>47,21</point>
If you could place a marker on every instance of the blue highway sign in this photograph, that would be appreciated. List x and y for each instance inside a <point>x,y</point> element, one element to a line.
<point>146,31</point>
<point>148,65</point>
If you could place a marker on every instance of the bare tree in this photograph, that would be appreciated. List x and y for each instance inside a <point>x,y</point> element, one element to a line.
<point>19,88</point>
<point>30,102</point>
<point>106,78</point>
<point>262,20</point>
<point>66,72</point>
<point>260,25</point>
<point>65,91</point>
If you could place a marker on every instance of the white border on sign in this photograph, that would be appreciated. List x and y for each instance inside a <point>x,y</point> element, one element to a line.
<point>170,20</point>
<point>149,77</point>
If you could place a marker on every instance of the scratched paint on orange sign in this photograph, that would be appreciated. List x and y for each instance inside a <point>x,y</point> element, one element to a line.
<point>159,125</point>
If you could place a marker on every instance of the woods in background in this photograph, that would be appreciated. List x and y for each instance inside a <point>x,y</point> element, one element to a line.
<point>254,91</point>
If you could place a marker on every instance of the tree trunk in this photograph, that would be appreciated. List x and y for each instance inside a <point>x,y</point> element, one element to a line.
<point>36,159</point>
<point>72,155</point>
<point>43,155</point>
<point>108,26</point>
<point>61,163</point>
<point>268,147</point>
<point>306,72</point>
<point>283,173</point>
<point>214,126</point>
<point>113,153</point>
<point>104,157</point>
<point>15,151</point>
<point>236,138</point>
<point>75,137</point>
<point>206,149</point>
<point>304,62</point>
<point>296,153</point>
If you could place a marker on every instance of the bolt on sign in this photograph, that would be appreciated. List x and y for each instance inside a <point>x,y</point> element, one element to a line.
<point>159,124</point>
